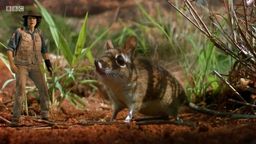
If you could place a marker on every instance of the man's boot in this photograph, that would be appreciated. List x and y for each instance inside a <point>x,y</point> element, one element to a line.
<point>44,115</point>
<point>15,122</point>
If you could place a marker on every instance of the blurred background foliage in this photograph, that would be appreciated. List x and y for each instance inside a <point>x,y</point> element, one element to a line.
<point>163,34</point>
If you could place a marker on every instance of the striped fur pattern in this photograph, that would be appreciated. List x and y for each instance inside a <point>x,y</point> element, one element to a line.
<point>138,84</point>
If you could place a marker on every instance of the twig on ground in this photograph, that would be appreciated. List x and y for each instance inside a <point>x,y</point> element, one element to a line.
<point>44,121</point>
<point>40,128</point>
<point>226,82</point>
<point>243,103</point>
<point>93,122</point>
<point>150,122</point>
<point>5,120</point>
<point>221,114</point>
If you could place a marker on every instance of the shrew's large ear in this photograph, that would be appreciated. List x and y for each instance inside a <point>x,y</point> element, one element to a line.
<point>109,45</point>
<point>130,44</point>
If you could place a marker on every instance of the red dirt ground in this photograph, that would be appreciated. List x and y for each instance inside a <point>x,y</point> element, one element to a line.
<point>90,126</point>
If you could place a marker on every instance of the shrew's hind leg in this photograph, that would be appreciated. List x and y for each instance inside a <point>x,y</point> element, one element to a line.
<point>128,119</point>
<point>116,109</point>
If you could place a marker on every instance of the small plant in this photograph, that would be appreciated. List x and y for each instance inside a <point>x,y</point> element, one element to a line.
<point>195,53</point>
<point>61,81</point>
<point>232,32</point>
<point>5,61</point>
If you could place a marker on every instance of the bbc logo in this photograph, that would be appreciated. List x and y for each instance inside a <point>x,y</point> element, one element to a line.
<point>14,8</point>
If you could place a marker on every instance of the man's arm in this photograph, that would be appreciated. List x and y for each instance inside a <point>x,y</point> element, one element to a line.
<point>47,62</point>
<point>11,61</point>
<point>11,48</point>
<point>45,55</point>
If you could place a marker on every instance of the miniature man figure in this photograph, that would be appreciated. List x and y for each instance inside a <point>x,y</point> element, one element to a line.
<point>25,51</point>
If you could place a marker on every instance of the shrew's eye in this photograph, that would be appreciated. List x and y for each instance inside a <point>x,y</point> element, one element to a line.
<point>120,60</point>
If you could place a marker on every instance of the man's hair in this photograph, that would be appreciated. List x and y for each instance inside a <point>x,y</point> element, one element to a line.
<point>25,22</point>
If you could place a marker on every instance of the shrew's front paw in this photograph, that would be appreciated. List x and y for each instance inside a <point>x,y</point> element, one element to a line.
<point>128,119</point>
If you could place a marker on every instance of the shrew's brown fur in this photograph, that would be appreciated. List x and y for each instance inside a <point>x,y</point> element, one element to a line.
<point>138,84</point>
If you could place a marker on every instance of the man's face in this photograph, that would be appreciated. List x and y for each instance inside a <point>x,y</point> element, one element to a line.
<point>32,21</point>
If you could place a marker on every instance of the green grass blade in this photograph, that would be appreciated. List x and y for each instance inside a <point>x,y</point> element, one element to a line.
<point>50,22</point>
<point>59,40</point>
<point>81,40</point>
<point>157,25</point>
<point>88,81</point>
<point>88,51</point>
<point>5,61</point>
<point>76,100</point>
<point>3,45</point>
<point>65,49</point>
<point>6,83</point>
